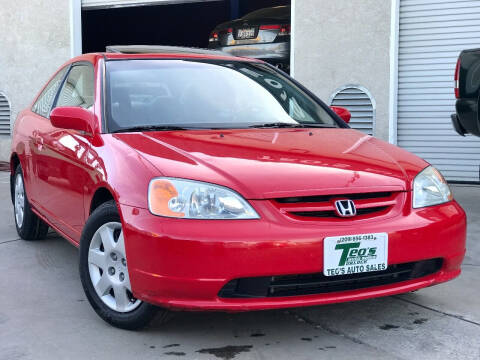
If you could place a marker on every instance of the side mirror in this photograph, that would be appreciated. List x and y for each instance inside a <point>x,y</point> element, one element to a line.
<point>342,112</point>
<point>74,118</point>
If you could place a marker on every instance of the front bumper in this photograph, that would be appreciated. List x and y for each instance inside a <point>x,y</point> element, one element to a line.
<point>183,264</point>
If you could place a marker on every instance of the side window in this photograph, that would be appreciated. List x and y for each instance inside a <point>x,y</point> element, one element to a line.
<point>44,102</point>
<point>78,89</point>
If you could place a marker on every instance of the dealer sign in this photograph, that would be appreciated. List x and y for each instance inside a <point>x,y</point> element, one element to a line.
<point>351,254</point>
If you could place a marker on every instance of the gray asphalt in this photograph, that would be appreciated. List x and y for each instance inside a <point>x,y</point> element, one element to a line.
<point>45,315</point>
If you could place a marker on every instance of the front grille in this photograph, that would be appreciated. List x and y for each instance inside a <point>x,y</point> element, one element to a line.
<point>323,206</point>
<point>325,198</point>
<point>309,284</point>
<point>326,214</point>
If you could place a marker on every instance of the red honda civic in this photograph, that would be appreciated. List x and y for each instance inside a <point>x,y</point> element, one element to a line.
<point>194,180</point>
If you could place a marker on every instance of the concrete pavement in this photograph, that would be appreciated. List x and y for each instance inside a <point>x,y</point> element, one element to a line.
<point>45,315</point>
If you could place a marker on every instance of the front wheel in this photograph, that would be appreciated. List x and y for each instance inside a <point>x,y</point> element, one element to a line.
<point>104,271</point>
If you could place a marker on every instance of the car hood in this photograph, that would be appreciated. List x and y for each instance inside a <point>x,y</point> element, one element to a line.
<point>271,163</point>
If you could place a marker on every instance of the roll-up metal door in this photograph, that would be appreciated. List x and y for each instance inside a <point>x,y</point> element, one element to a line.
<point>99,4</point>
<point>4,115</point>
<point>432,34</point>
<point>361,105</point>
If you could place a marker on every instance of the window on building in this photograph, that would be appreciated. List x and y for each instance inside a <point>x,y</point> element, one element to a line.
<point>4,115</point>
<point>44,103</point>
<point>78,89</point>
<point>359,102</point>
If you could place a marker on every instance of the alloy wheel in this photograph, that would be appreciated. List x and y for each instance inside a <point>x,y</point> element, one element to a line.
<point>19,200</point>
<point>107,266</point>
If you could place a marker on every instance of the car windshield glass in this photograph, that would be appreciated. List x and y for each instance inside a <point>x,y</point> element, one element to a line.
<point>205,94</point>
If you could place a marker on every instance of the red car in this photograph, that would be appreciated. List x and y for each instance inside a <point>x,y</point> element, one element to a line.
<point>195,180</point>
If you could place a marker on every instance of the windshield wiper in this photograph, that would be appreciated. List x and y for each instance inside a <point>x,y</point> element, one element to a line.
<point>277,125</point>
<point>290,125</point>
<point>319,126</point>
<point>151,128</point>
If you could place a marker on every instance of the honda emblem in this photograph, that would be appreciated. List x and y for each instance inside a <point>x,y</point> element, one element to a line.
<point>345,208</point>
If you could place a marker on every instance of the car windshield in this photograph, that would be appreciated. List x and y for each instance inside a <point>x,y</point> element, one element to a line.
<point>205,94</point>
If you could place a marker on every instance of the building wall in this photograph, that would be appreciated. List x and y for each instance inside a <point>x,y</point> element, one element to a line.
<point>35,41</point>
<point>345,42</point>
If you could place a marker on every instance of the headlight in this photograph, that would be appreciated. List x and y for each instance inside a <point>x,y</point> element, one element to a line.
<point>430,188</point>
<point>190,199</point>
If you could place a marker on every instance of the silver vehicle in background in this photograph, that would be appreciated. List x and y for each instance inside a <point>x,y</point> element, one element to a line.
<point>263,34</point>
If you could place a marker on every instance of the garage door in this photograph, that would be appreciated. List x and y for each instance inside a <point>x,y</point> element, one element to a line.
<point>432,34</point>
<point>95,4</point>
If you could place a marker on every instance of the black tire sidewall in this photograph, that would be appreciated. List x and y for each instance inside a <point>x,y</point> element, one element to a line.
<point>132,320</point>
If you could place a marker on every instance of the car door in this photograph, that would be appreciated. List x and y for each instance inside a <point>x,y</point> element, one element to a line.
<point>37,122</point>
<point>61,158</point>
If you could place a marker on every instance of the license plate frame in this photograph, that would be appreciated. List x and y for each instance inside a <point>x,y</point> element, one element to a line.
<point>354,254</point>
<point>246,33</point>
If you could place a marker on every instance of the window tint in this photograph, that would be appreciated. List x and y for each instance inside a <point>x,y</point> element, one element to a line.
<point>216,94</point>
<point>45,101</point>
<point>77,90</point>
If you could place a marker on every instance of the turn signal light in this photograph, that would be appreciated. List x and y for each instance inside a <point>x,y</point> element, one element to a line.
<point>161,194</point>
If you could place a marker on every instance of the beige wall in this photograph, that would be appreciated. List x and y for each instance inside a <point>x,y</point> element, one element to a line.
<point>34,42</point>
<point>339,42</point>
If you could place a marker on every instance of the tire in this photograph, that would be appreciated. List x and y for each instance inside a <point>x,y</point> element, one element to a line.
<point>104,273</point>
<point>29,225</point>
